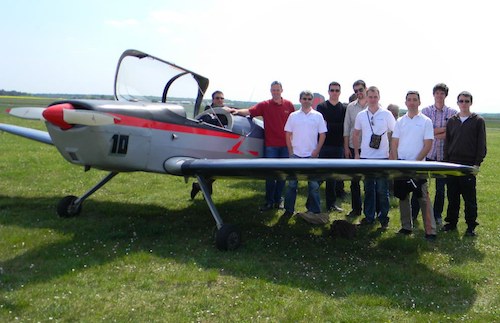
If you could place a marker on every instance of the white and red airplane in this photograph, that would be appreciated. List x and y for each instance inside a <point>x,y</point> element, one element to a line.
<point>147,128</point>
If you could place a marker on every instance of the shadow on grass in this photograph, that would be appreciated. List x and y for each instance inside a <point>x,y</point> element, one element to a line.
<point>290,254</point>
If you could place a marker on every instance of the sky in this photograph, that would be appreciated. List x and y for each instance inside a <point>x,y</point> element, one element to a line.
<point>52,46</point>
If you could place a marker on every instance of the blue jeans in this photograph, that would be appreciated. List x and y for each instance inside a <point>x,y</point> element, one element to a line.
<point>313,200</point>
<point>274,188</point>
<point>330,189</point>
<point>376,191</point>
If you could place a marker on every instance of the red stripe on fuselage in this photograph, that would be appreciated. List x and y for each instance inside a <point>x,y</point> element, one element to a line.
<point>152,124</point>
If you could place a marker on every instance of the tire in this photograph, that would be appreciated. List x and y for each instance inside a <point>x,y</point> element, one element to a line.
<point>67,207</point>
<point>228,237</point>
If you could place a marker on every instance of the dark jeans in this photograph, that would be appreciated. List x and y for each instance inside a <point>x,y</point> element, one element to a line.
<point>274,188</point>
<point>355,191</point>
<point>465,186</point>
<point>331,185</point>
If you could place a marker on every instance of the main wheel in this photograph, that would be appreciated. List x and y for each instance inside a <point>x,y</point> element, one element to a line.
<point>67,207</point>
<point>228,237</point>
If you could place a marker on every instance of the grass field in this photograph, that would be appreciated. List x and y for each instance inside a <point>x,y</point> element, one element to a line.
<point>142,251</point>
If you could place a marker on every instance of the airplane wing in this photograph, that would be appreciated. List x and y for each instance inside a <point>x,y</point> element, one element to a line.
<point>38,135</point>
<point>313,169</point>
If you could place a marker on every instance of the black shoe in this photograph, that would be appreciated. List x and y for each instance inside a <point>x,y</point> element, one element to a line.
<point>470,232</point>
<point>353,213</point>
<point>449,227</point>
<point>384,226</point>
<point>266,207</point>
<point>365,222</point>
<point>335,208</point>
<point>195,189</point>
<point>430,237</point>
<point>405,231</point>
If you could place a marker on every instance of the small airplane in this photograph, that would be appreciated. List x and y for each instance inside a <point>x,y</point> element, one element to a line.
<point>147,128</point>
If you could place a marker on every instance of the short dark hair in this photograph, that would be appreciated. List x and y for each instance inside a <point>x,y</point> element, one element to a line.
<point>306,93</point>
<point>334,83</point>
<point>466,94</point>
<point>215,93</point>
<point>277,83</point>
<point>359,82</point>
<point>413,92</point>
<point>440,87</point>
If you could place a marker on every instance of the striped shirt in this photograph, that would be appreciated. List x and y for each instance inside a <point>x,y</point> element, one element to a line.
<point>439,118</point>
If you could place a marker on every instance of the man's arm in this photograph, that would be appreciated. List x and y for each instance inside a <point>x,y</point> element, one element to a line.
<point>288,137</point>
<point>394,149</point>
<point>321,141</point>
<point>425,150</point>
<point>355,142</point>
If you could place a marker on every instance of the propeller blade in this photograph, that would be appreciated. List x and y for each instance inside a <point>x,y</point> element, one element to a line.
<point>87,118</point>
<point>32,113</point>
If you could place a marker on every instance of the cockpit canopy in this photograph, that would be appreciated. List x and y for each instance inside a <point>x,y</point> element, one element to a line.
<point>141,77</point>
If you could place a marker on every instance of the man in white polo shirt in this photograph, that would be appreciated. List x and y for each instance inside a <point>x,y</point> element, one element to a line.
<point>305,134</point>
<point>374,125</point>
<point>412,140</point>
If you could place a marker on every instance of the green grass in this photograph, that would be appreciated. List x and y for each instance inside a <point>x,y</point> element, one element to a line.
<point>142,251</point>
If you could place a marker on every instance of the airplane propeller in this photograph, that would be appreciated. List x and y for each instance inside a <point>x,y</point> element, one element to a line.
<point>64,115</point>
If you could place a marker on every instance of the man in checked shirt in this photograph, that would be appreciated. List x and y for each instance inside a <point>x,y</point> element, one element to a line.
<point>439,114</point>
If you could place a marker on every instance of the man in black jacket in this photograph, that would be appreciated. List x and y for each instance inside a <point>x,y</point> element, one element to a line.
<point>465,144</point>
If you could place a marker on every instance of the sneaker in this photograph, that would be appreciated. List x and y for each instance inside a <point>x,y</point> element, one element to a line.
<point>335,208</point>
<point>365,222</point>
<point>470,232</point>
<point>405,231</point>
<point>195,189</point>
<point>280,205</point>
<point>449,227</point>
<point>439,221</point>
<point>430,237</point>
<point>384,226</point>
<point>266,207</point>
<point>353,213</point>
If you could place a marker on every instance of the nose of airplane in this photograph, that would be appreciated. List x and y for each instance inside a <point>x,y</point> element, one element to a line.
<point>55,115</point>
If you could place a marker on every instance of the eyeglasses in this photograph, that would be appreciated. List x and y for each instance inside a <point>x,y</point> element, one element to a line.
<point>307,99</point>
<point>359,90</point>
<point>334,90</point>
<point>463,101</point>
<point>219,98</point>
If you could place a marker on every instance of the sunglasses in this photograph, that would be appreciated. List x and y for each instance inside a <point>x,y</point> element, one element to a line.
<point>334,90</point>
<point>463,101</point>
<point>359,90</point>
<point>307,99</point>
<point>219,98</point>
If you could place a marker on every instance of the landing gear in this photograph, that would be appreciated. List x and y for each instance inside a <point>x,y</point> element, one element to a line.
<point>227,236</point>
<point>71,206</point>
<point>67,208</point>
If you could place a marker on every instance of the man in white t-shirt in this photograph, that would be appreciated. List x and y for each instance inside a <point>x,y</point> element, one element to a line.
<point>305,134</point>
<point>412,140</point>
<point>374,124</point>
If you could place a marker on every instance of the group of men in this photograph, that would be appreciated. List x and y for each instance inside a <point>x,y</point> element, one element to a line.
<point>363,130</point>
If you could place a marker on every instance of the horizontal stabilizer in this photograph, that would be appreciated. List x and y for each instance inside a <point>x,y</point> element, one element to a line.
<point>38,135</point>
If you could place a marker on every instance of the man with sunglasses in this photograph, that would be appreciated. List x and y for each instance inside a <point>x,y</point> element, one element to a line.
<point>352,111</point>
<point>305,134</point>
<point>333,112</point>
<point>465,144</point>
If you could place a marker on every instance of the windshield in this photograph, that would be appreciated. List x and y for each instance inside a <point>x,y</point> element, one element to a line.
<point>144,78</point>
